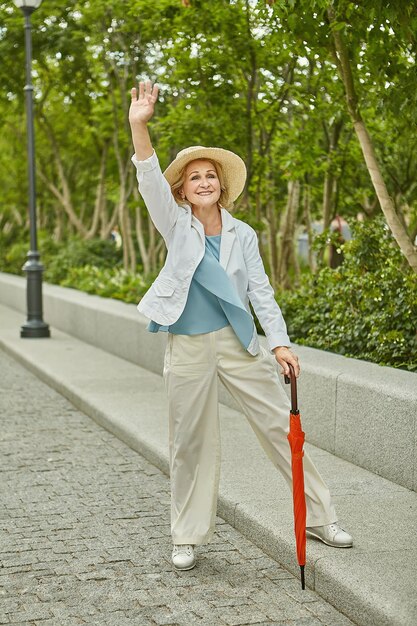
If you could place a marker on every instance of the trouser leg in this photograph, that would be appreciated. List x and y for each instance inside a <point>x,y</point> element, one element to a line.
<point>254,383</point>
<point>194,437</point>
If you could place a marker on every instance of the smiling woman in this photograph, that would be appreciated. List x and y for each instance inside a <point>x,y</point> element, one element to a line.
<point>202,296</point>
<point>229,169</point>
<point>199,183</point>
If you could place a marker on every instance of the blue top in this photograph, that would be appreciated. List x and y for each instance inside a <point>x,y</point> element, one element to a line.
<point>212,301</point>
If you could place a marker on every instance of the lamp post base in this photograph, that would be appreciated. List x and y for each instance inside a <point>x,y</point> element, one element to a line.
<point>34,327</point>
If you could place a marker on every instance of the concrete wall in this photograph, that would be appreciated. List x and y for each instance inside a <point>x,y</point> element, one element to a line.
<point>357,410</point>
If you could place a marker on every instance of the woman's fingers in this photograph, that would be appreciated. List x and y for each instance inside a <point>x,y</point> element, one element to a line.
<point>142,104</point>
<point>294,362</point>
<point>296,368</point>
<point>288,357</point>
<point>146,91</point>
<point>155,92</point>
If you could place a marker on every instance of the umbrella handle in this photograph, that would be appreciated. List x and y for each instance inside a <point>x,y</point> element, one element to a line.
<point>293,380</point>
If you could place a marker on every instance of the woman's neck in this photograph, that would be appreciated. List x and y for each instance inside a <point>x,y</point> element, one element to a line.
<point>210,217</point>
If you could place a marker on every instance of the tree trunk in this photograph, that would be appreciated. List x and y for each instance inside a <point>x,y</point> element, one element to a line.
<point>107,226</point>
<point>129,253</point>
<point>130,242</point>
<point>258,209</point>
<point>152,245</point>
<point>64,196</point>
<point>332,135</point>
<point>272,242</point>
<point>287,254</point>
<point>343,62</point>
<point>251,87</point>
<point>270,221</point>
<point>161,252</point>
<point>125,189</point>
<point>144,255</point>
<point>327,199</point>
<point>100,196</point>
<point>151,254</point>
<point>310,234</point>
<point>59,226</point>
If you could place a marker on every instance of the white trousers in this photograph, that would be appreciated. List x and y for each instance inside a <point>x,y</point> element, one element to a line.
<point>191,367</point>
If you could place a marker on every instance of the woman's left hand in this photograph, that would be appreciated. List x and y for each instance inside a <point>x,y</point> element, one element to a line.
<point>284,356</point>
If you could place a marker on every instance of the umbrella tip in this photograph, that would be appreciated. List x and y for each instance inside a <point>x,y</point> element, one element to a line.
<point>303,583</point>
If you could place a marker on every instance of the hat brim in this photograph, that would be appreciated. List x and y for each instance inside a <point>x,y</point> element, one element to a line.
<point>233,167</point>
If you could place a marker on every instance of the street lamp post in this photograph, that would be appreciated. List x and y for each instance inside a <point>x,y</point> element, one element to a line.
<point>34,326</point>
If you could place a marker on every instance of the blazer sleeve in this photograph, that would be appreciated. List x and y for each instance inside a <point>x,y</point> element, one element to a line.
<point>156,192</point>
<point>262,297</point>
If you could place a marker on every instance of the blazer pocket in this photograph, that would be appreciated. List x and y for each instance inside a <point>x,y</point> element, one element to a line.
<point>164,288</point>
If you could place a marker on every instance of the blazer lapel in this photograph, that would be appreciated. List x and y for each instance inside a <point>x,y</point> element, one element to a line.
<point>227,239</point>
<point>198,226</point>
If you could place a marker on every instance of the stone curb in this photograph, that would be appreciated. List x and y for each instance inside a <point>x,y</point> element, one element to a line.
<point>373,583</point>
<point>351,408</point>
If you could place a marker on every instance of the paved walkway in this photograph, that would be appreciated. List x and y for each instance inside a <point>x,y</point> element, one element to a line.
<point>85,533</point>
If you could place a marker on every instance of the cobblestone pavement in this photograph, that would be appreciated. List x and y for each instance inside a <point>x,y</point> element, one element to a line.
<point>85,536</point>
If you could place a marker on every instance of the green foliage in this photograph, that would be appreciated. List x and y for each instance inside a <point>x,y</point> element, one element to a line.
<point>12,259</point>
<point>14,249</point>
<point>78,253</point>
<point>93,265</point>
<point>365,309</point>
<point>60,258</point>
<point>254,77</point>
<point>107,282</point>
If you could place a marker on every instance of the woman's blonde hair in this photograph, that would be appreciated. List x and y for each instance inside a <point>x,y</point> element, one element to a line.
<point>223,199</point>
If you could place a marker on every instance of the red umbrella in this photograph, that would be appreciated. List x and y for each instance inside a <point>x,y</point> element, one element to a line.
<point>296,439</point>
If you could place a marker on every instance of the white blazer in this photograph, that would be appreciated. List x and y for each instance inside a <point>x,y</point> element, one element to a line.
<point>185,240</point>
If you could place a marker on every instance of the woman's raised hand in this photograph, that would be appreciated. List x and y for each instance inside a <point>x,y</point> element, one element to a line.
<point>143,103</point>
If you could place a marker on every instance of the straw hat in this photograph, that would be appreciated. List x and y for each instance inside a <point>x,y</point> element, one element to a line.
<point>233,168</point>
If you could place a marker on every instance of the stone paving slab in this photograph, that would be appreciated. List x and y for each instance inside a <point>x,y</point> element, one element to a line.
<point>375,583</point>
<point>86,536</point>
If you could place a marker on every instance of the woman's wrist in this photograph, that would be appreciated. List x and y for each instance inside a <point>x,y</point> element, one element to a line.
<point>141,141</point>
<point>140,125</point>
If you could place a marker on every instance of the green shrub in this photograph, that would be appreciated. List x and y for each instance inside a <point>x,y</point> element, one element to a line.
<point>14,257</point>
<point>107,282</point>
<point>13,251</point>
<point>93,265</point>
<point>77,253</point>
<point>59,257</point>
<point>366,308</point>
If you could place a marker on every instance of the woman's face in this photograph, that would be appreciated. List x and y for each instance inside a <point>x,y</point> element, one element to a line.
<point>201,185</point>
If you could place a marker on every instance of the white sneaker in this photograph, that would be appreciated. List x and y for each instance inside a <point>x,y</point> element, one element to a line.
<point>183,556</point>
<point>331,535</point>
